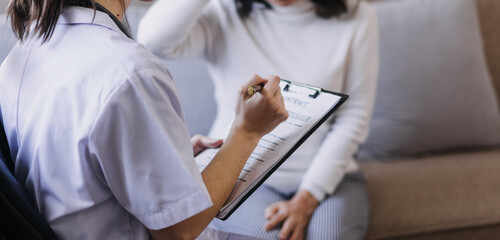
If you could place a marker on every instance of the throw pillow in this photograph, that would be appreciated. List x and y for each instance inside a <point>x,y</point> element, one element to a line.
<point>434,90</point>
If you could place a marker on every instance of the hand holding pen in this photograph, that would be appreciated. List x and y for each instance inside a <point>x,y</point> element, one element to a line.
<point>260,113</point>
<point>254,89</point>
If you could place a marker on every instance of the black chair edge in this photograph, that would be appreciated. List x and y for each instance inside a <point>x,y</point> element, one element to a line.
<point>20,218</point>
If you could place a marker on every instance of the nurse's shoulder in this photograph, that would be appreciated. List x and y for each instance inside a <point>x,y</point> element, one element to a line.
<point>107,52</point>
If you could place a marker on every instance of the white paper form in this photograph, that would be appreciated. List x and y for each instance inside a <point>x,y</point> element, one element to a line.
<point>304,113</point>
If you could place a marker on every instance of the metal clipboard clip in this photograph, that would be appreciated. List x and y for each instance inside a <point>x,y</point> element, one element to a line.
<point>315,91</point>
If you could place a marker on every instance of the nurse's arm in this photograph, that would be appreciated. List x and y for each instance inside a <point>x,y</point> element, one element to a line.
<point>219,178</point>
<point>255,117</point>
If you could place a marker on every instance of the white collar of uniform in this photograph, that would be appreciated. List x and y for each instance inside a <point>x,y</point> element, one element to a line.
<point>74,15</point>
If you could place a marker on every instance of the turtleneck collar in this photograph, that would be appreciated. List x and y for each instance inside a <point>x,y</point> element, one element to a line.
<point>299,6</point>
<point>304,6</point>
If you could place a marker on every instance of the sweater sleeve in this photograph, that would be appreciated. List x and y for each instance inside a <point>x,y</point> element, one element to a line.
<point>179,28</point>
<point>350,126</point>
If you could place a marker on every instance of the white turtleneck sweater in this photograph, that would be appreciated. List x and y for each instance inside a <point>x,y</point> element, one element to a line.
<point>338,54</point>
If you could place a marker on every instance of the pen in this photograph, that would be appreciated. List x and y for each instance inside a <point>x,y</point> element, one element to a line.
<point>254,89</point>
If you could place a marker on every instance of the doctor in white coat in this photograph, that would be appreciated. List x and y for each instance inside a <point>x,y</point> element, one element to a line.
<point>96,130</point>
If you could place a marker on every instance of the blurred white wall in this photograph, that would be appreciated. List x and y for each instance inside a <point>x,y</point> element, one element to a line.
<point>3,5</point>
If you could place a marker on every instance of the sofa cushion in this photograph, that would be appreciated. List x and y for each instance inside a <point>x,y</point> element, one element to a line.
<point>434,90</point>
<point>433,194</point>
<point>490,232</point>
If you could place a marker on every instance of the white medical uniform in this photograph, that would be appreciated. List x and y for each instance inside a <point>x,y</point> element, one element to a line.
<point>97,133</point>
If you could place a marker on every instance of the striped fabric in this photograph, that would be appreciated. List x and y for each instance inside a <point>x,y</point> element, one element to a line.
<point>343,215</point>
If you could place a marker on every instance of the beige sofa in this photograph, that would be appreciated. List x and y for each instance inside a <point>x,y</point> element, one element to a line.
<point>443,196</point>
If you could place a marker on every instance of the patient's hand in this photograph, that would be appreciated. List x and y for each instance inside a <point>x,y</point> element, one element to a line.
<point>294,214</point>
<point>201,143</point>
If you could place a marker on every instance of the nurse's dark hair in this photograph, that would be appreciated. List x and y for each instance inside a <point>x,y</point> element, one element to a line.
<point>39,17</point>
<point>324,8</point>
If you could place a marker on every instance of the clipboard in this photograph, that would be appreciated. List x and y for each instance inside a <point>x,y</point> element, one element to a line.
<point>286,138</point>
